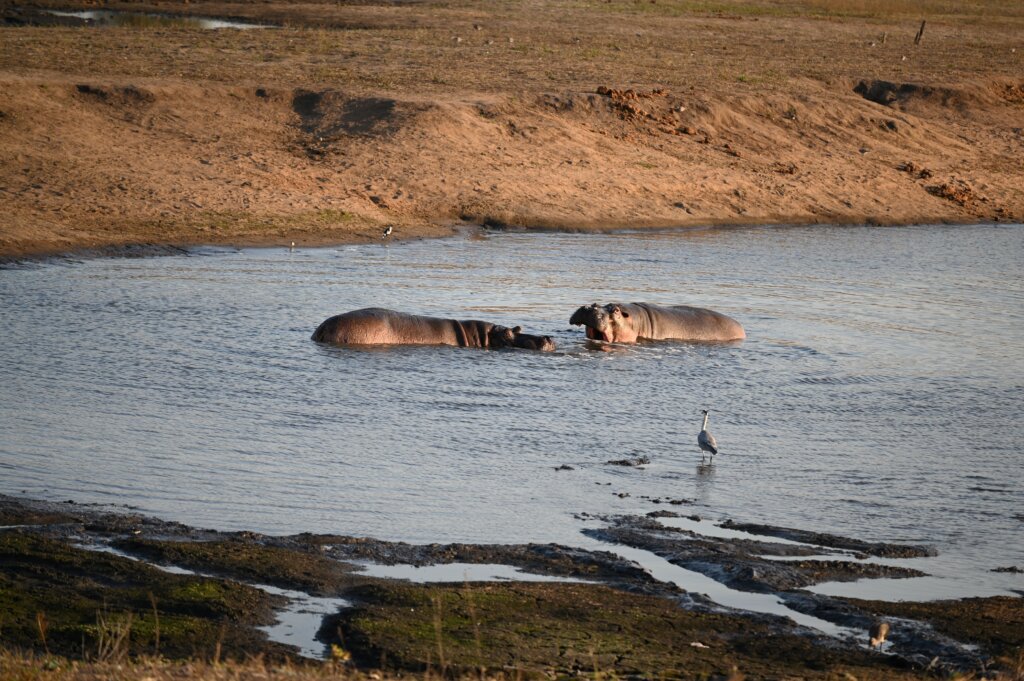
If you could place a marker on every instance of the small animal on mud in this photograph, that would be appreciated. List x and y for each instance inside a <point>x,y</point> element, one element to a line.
<point>706,440</point>
<point>877,633</point>
<point>387,232</point>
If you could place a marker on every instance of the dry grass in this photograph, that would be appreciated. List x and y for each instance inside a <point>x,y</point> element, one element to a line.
<point>549,46</point>
<point>18,667</point>
<point>944,10</point>
<point>29,668</point>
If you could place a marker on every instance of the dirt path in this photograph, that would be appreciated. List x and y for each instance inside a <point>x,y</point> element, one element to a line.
<point>123,136</point>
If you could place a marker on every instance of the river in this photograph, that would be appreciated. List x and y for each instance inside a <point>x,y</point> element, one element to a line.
<point>878,395</point>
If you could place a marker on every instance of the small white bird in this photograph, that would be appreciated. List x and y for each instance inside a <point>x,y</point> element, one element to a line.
<point>877,633</point>
<point>706,440</point>
<point>387,232</point>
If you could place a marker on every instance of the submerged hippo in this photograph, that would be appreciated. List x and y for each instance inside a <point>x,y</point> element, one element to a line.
<point>377,326</point>
<point>626,323</point>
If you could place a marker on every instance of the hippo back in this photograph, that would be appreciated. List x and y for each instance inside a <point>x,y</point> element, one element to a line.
<point>683,322</point>
<point>379,326</point>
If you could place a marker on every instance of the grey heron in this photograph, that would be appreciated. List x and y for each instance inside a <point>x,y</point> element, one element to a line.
<point>706,440</point>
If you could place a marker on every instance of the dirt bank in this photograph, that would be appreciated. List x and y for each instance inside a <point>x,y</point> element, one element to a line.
<point>428,117</point>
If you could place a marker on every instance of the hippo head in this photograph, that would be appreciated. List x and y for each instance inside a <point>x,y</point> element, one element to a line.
<point>603,323</point>
<point>504,337</point>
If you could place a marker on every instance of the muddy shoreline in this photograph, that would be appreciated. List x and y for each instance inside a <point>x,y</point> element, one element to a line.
<point>51,548</point>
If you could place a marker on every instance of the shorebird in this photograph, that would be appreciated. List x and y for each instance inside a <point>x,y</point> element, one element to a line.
<point>877,633</point>
<point>706,440</point>
<point>387,232</point>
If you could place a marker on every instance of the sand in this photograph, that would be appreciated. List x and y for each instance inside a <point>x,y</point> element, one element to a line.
<point>511,115</point>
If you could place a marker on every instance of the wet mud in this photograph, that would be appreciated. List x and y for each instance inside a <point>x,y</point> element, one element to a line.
<point>620,620</point>
<point>242,558</point>
<point>550,631</point>
<point>32,16</point>
<point>545,559</point>
<point>59,599</point>
<point>740,563</point>
<point>994,624</point>
<point>862,548</point>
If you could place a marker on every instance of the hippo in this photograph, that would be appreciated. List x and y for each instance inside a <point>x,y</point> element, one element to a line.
<point>378,326</point>
<point>626,323</point>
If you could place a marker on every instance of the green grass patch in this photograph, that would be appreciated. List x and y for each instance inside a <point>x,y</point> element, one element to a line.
<point>55,598</point>
<point>247,561</point>
<point>568,629</point>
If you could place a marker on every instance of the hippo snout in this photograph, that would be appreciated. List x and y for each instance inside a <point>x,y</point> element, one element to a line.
<point>530,342</point>
<point>596,319</point>
<point>588,315</point>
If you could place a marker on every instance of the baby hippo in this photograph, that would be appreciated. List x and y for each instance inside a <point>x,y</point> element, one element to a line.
<point>378,326</point>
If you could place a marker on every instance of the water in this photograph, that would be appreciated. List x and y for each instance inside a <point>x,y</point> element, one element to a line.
<point>457,572</point>
<point>878,394</point>
<point>697,583</point>
<point>100,17</point>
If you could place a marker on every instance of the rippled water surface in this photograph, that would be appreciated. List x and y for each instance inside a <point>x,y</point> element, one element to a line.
<point>878,395</point>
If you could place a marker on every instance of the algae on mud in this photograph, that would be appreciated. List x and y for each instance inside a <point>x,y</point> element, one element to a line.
<point>996,624</point>
<point>569,629</point>
<point>629,625</point>
<point>281,567</point>
<point>56,598</point>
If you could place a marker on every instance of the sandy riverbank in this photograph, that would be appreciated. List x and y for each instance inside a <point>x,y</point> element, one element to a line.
<point>594,116</point>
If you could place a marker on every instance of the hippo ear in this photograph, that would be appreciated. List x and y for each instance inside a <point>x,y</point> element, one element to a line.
<point>517,329</point>
<point>616,308</point>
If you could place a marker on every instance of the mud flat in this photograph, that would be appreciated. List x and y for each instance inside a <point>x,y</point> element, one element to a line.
<point>577,629</point>
<point>64,600</point>
<point>860,548</point>
<point>431,116</point>
<point>746,564</point>
<point>98,575</point>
